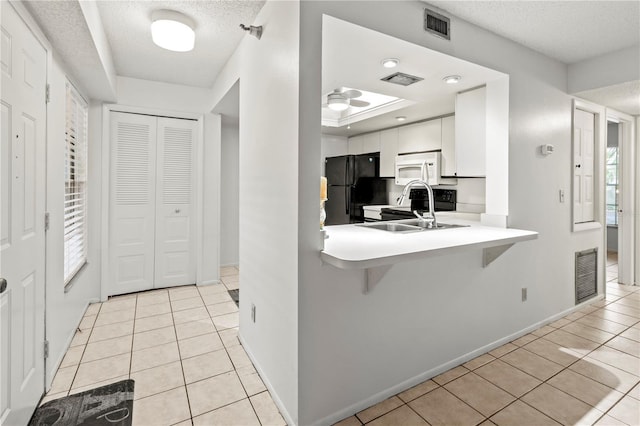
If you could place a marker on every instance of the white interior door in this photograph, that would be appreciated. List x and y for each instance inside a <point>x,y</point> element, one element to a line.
<point>22,183</point>
<point>583,166</point>
<point>132,202</point>
<point>175,248</point>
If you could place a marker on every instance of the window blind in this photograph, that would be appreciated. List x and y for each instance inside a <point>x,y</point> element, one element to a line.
<point>75,189</point>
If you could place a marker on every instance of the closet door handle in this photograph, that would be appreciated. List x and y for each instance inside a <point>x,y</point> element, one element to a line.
<point>177,210</point>
<point>3,285</point>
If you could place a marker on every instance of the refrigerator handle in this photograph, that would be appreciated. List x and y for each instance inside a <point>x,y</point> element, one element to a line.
<point>347,199</point>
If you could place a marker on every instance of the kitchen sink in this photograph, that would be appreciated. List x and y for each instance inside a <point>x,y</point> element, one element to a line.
<point>406,226</point>
<point>416,222</point>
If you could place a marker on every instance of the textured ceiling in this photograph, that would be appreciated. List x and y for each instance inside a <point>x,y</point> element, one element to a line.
<point>570,31</point>
<point>127,25</point>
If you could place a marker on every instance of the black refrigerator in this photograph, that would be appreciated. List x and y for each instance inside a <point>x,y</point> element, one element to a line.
<point>353,181</point>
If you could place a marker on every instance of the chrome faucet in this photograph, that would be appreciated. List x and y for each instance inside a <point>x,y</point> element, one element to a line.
<point>429,220</point>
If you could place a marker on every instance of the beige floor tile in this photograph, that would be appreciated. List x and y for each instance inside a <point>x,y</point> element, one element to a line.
<point>151,338</point>
<point>532,364</point>
<point>215,298</point>
<point>184,423</point>
<point>605,374</point>
<point>574,316</point>
<point>80,389</point>
<point>153,298</point>
<point>521,414</point>
<point>114,317</point>
<point>186,330</point>
<point>561,407</point>
<point>223,322</point>
<point>503,350</point>
<point>118,305</point>
<point>228,271</point>
<point>101,370</point>
<point>237,414</point>
<point>153,310</point>
<point>349,421</point>
<point>553,352</point>
<point>212,289</point>
<point>107,348</point>
<point>266,409</point>
<point>607,420</point>
<point>153,323</point>
<point>418,390</point>
<point>251,380</point>
<point>239,357</point>
<point>165,408</point>
<point>158,379</point>
<point>229,337</point>
<point>507,377</point>
<point>542,331</point>
<point>377,410</point>
<point>602,324</point>
<point>190,303</point>
<point>190,315</point>
<point>222,308</point>
<point>72,357</point>
<point>400,416</point>
<point>231,279</point>
<point>487,423</point>
<point>54,396</point>
<point>635,392</point>
<point>63,379</point>
<point>478,361</point>
<point>624,309</point>
<point>450,375</point>
<point>527,338</point>
<point>111,331</point>
<point>571,341</point>
<point>593,393</point>
<point>588,309</point>
<point>214,392</point>
<point>618,359</point>
<point>480,394</point>
<point>615,317</point>
<point>439,407</point>
<point>93,309</point>
<point>154,356</point>
<point>185,292</point>
<point>87,322</point>
<point>625,345</point>
<point>199,345</point>
<point>633,303</point>
<point>80,338</point>
<point>632,333</point>
<point>232,285</point>
<point>206,365</point>
<point>560,323</point>
<point>590,333</point>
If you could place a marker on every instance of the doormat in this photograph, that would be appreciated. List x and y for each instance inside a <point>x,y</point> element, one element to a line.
<point>235,295</point>
<point>107,405</point>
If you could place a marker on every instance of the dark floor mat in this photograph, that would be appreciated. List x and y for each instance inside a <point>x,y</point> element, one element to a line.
<point>107,405</point>
<point>235,295</point>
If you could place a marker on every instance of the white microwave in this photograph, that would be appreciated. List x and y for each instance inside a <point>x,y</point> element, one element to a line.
<point>424,166</point>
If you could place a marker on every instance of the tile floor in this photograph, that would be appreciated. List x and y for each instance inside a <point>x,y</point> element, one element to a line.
<point>180,346</point>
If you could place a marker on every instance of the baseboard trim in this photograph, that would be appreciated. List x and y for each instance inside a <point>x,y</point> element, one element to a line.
<point>208,282</point>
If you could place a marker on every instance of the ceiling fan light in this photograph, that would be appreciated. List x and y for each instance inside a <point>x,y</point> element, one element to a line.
<point>390,62</point>
<point>452,79</point>
<point>337,103</point>
<point>172,30</point>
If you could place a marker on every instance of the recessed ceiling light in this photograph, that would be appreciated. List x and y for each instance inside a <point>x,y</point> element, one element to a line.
<point>401,118</point>
<point>452,79</point>
<point>390,62</point>
<point>172,30</point>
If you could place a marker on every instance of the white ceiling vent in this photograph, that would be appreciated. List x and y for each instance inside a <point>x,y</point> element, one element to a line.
<point>402,79</point>
<point>437,24</point>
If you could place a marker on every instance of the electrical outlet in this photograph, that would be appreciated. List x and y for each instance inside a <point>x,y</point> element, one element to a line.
<point>524,294</point>
<point>253,313</point>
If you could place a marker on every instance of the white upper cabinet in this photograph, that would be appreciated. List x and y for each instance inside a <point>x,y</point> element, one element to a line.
<point>371,143</point>
<point>356,145</point>
<point>388,152</point>
<point>470,133</point>
<point>425,136</point>
<point>448,164</point>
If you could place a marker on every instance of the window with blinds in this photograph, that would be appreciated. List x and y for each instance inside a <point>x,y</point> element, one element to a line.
<point>75,184</point>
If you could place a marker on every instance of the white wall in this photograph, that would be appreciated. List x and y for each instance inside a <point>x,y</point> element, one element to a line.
<point>425,316</point>
<point>607,70</point>
<point>268,71</point>
<point>65,309</point>
<point>332,146</point>
<point>158,95</point>
<point>229,193</point>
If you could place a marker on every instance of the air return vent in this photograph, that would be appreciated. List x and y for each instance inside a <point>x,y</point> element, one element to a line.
<point>586,274</point>
<point>402,79</point>
<point>437,24</point>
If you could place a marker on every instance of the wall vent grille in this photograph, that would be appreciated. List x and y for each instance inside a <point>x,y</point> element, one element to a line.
<point>437,24</point>
<point>586,274</point>
<point>402,79</point>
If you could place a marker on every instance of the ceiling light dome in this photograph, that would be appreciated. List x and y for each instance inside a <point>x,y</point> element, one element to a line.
<point>337,102</point>
<point>452,79</point>
<point>172,30</point>
<point>390,62</point>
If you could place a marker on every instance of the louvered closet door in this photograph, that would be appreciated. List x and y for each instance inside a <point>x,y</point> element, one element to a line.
<point>132,202</point>
<point>175,248</point>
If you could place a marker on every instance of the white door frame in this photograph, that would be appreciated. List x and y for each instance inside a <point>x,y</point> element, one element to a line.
<point>626,224</point>
<point>106,158</point>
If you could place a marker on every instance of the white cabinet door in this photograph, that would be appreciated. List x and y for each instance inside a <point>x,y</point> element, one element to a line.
<point>583,166</point>
<point>174,245</point>
<point>388,152</point>
<point>448,159</point>
<point>425,136</point>
<point>356,145</point>
<point>371,143</point>
<point>470,133</point>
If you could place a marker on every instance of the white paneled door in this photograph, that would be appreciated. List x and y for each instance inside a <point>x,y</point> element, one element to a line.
<point>583,166</point>
<point>22,183</point>
<point>151,205</point>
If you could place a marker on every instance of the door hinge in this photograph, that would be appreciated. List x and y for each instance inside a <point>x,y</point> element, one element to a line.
<point>47,94</point>
<point>46,349</point>
<point>46,221</point>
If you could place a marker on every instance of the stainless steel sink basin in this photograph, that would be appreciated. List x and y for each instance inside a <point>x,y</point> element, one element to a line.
<point>393,227</point>
<point>416,222</point>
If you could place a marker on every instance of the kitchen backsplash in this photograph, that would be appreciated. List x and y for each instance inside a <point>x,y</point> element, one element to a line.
<point>470,194</point>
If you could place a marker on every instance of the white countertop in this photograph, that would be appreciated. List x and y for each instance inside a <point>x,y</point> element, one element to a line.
<point>358,247</point>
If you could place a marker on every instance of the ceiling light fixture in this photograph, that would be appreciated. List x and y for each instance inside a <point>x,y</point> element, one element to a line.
<point>337,102</point>
<point>172,30</point>
<point>390,62</point>
<point>452,79</point>
<point>401,118</point>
